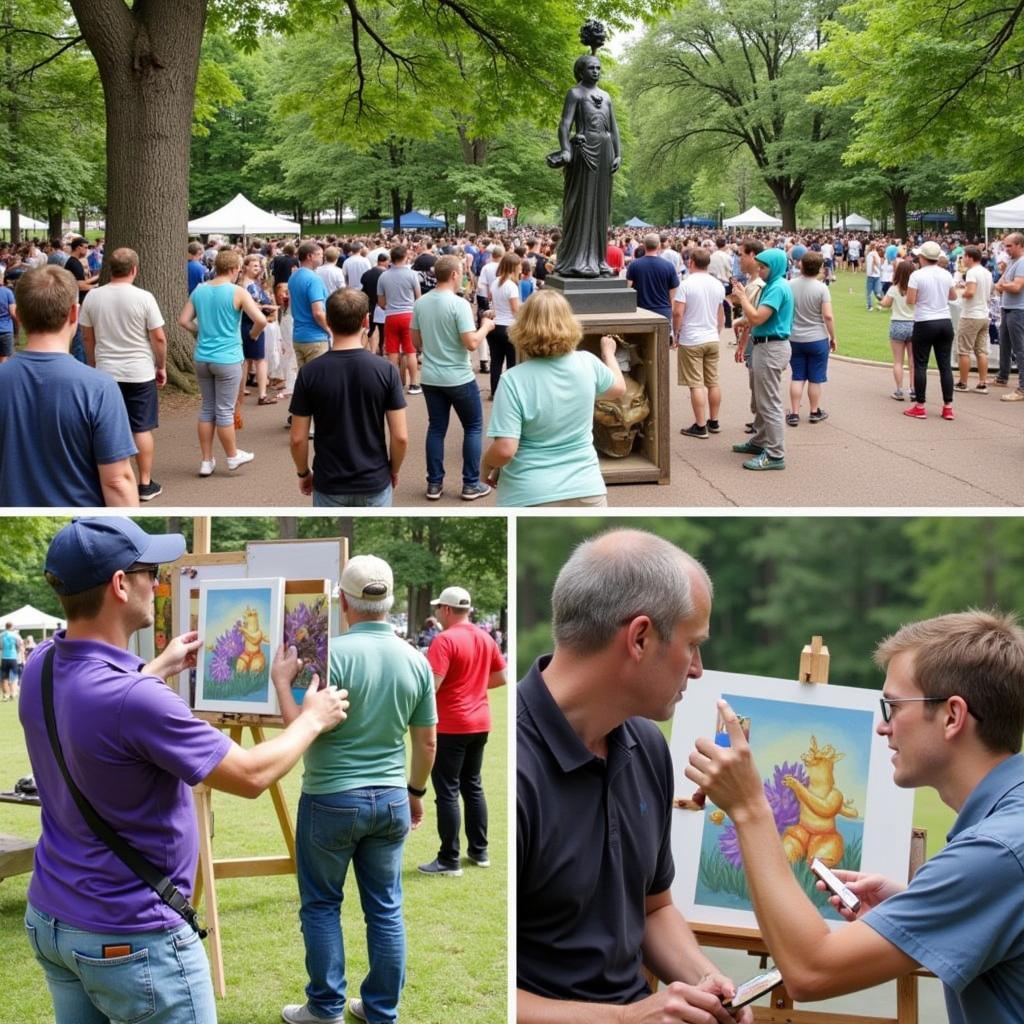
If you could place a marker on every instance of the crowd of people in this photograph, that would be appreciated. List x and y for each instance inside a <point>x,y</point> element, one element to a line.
<point>349,331</point>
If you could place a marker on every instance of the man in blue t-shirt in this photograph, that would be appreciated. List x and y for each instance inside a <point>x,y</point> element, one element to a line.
<point>8,323</point>
<point>771,323</point>
<point>308,297</point>
<point>64,429</point>
<point>196,269</point>
<point>654,279</point>
<point>952,714</point>
<point>8,661</point>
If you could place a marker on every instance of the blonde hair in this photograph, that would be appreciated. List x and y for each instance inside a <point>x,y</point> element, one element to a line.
<point>545,326</point>
<point>226,261</point>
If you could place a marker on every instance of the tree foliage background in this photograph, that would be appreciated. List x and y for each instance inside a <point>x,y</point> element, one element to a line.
<point>780,580</point>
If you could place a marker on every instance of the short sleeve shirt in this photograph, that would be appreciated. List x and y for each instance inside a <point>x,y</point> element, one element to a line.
<point>778,296</point>
<point>134,748</point>
<point>59,421</point>
<point>962,916</point>
<point>654,280</point>
<point>464,656</point>
<point>548,405</point>
<point>703,295</point>
<point>442,317</point>
<point>398,287</point>
<point>305,288</point>
<point>1014,269</point>
<point>390,688</point>
<point>932,284</point>
<point>593,841</point>
<point>122,316</point>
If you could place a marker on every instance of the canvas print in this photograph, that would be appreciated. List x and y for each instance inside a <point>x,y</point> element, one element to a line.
<point>307,617</point>
<point>814,762</point>
<point>826,776</point>
<point>240,622</point>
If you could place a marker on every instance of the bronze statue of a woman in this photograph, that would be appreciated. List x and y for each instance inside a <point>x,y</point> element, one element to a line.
<point>590,158</point>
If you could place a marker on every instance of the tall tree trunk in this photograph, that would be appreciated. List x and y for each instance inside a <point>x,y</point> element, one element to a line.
<point>81,221</point>
<point>396,211</point>
<point>787,194</point>
<point>15,222</point>
<point>899,198</point>
<point>148,61</point>
<point>54,220</point>
<point>474,154</point>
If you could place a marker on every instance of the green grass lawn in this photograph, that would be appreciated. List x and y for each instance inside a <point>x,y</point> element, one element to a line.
<point>860,334</point>
<point>457,932</point>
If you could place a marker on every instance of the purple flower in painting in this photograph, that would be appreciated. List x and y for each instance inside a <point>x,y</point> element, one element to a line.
<point>784,805</point>
<point>226,648</point>
<point>305,628</point>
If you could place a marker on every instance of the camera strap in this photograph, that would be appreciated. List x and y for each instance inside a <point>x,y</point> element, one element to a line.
<point>168,892</point>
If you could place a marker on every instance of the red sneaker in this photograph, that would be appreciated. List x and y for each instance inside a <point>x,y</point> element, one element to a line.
<point>916,411</point>
<point>947,412</point>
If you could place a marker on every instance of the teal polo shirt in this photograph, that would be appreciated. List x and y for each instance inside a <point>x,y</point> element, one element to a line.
<point>390,688</point>
<point>442,317</point>
<point>962,916</point>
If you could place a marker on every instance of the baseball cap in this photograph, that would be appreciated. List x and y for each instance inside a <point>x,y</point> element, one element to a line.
<point>367,578</point>
<point>454,597</point>
<point>87,552</point>
<point>930,251</point>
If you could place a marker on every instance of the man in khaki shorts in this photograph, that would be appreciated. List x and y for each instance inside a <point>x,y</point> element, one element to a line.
<point>972,331</point>
<point>699,311</point>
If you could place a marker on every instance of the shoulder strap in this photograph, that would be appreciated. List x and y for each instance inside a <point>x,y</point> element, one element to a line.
<point>127,854</point>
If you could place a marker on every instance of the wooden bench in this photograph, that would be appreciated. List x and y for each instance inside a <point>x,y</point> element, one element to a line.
<point>16,855</point>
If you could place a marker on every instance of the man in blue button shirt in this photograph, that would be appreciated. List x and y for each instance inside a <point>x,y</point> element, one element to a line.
<point>594,788</point>
<point>953,715</point>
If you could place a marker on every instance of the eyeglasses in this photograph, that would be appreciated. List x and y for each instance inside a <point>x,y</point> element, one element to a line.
<point>886,704</point>
<point>153,570</point>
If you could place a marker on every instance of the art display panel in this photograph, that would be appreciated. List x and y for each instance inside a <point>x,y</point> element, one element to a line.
<point>827,776</point>
<point>241,622</point>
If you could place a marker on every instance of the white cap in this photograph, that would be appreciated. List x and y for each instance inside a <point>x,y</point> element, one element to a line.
<point>367,578</point>
<point>454,597</point>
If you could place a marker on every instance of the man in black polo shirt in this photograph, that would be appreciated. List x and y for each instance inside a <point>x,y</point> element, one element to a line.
<point>654,279</point>
<point>348,393</point>
<point>594,793</point>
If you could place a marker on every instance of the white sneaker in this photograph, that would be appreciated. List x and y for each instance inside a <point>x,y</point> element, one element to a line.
<point>299,1013</point>
<point>240,458</point>
<point>355,1007</point>
<point>206,467</point>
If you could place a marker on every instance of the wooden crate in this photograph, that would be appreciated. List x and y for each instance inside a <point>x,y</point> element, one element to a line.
<point>649,460</point>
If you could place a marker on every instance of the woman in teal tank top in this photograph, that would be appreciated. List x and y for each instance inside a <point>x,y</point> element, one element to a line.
<point>213,313</point>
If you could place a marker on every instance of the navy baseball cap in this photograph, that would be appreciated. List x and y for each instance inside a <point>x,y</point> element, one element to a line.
<point>87,552</point>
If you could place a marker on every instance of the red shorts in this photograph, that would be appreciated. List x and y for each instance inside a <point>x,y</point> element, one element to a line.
<point>398,334</point>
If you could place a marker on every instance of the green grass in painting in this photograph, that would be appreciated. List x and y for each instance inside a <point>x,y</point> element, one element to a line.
<point>241,685</point>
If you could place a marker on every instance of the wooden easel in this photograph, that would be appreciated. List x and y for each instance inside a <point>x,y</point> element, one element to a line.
<point>814,666</point>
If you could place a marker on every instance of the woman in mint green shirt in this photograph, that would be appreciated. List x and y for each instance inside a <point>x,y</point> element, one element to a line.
<point>543,417</point>
<point>213,312</point>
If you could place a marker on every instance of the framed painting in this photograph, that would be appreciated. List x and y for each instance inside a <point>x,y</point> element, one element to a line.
<point>827,777</point>
<point>240,621</point>
<point>307,626</point>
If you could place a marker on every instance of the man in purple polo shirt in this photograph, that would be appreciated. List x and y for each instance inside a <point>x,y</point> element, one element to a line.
<point>108,945</point>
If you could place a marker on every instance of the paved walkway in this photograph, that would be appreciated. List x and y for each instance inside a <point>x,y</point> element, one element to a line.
<point>866,454</point>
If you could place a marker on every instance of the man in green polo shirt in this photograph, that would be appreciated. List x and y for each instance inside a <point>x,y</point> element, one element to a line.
<point>358,803</point>
<point>442,329</point>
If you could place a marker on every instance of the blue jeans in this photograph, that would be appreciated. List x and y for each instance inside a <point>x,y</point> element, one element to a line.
<point>367,827</point>
<point>873,286</point>
<point>164,980</point>
<point>465,400</point>
<point>77,346</point>
<point>382,499</point>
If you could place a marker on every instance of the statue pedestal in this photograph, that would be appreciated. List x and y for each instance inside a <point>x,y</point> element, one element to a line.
<point>595,294</point>
<point>648,462</point>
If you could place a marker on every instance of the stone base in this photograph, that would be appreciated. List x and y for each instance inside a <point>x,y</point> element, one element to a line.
<point>595,294</point>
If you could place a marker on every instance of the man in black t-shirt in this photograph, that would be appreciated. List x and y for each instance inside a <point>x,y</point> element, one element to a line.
<point>280,270</point>
<point>423,265</point>
<point>369,286</point>
<point>349,394</point>
<point>76,265</point>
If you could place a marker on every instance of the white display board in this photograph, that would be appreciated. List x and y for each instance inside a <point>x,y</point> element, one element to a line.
<point>810,742</point>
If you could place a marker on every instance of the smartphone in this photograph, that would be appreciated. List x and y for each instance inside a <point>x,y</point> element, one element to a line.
<point>753,989</point>
<point>845,894</point>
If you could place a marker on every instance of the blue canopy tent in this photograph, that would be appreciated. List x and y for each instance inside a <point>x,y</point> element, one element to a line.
<point>636,222</point>
<point>696,222</point>
<point>934,218</point>
<point>415,221</point>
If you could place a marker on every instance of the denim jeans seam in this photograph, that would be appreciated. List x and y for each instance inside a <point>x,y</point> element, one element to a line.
<point>178,944</point>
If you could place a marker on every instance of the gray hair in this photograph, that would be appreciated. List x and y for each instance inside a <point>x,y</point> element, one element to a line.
<point>365,607</point>
<point>616,576</point>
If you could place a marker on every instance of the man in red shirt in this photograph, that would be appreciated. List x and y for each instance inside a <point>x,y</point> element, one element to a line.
<point>615,257</point>
<point>466,663</point>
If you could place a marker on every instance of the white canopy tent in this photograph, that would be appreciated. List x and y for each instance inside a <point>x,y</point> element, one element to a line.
<point>27,617</point>
<point>24,221</point>
<point>241,217</point>
<point>855,222</point>
<point>752,218</point>
<point>1005,215</point>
